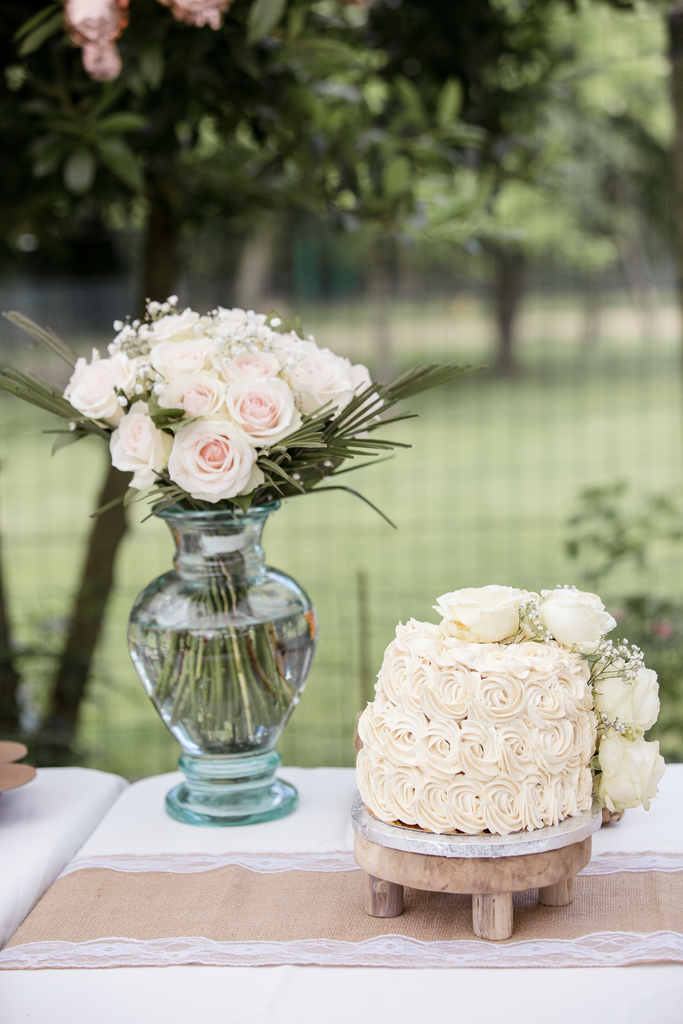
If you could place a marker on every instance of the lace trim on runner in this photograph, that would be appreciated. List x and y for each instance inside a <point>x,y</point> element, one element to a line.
<point>189,863</point>
<point>602,949</point>
<point>266,863</point>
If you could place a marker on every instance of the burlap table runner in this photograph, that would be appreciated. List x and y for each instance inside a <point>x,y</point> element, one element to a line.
<point>232,915</point>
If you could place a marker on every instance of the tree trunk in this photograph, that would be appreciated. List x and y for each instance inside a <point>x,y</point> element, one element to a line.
<point>158,279</point>
<point>675,20</point>
<point>509,279</point>
<point>253,272</point>
<point>10,679</point>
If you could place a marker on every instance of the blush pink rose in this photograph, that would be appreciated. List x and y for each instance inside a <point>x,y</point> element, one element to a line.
<point>212,461</point>
<point>263,409</point>
<point>91,389</point>
<point>199,394</point>
<point>250,364</point>
<point>139,447</point>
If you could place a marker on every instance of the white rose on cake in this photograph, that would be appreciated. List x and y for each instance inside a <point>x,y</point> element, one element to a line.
<point>91,389</point>
<point>481,614</point>
<point>211,460</point>
<point>634,704</point>
<point>630,772</point>
<point>137,446</point>
<point>575,618</point>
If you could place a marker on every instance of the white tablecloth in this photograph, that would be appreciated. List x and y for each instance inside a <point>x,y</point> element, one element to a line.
<point>42,824</point>
<point>137,824</point>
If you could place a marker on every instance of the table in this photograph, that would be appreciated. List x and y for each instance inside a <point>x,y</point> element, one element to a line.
<point>42,824</point>
<point>137,824</point>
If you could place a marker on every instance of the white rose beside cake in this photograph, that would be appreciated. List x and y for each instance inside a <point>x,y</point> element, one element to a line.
<point>490,721</point>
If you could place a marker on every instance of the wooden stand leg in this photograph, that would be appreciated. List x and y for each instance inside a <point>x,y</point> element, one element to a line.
<point>382,899</point>
<point>492,915</point>
<point>559,895</point>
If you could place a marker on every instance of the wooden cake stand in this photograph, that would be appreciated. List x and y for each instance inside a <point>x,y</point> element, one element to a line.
<point>489,867</point>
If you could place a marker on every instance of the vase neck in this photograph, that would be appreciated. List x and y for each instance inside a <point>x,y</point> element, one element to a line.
<point>216,545</point>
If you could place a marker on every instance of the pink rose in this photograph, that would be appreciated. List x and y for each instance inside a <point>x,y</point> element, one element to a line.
<point>263,409</point>
<point>199,394</point>
<point>139,447</point>
<point>176,358</point>
<point>211,460</point>
<point>91,388</point>
<point>250,364</point>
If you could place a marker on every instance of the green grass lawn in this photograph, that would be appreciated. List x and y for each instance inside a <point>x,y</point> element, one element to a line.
<point>482,496</point>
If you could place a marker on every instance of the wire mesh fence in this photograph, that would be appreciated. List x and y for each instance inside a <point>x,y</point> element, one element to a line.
<point>495,470</point>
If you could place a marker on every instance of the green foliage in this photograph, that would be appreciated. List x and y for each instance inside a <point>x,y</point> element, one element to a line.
<point>606,533</point>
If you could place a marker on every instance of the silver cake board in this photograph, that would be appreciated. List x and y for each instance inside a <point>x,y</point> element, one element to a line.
<point>489,867</point>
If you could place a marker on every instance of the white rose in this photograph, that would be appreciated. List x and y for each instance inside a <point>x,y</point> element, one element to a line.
<point>91,388</point>
<point>544,702</point>
<point>250,364</point>
<point>139,447</point>
<point>263,409</point>
<point>481,614</point>
<point>199,394</point>
<point>630,772</point>
<point>635,704</point>
<point>317,376</point>
<point>211,461</point>
<point>176,358</point>
<point>575,618</point>
<point>173,327</point>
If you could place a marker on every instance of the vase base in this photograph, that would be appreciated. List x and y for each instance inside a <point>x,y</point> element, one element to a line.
<point>277,801</point>
<point>220,792</point>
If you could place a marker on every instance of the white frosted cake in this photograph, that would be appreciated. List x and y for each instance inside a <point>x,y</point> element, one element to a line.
<point>467,736</point>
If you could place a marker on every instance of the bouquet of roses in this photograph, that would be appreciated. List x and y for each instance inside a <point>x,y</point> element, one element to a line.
<point>221,411</point>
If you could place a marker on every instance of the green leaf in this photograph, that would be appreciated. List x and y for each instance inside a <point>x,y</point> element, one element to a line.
<point>350,490</point>
<point>33,22</point>
<point>450,102</point>
<point>39,35</point>
<point>66,437</point>
<point>44,335</point>
<point>124,121</point>
<point>263,17</point>
<point>119,158</point>
<point>79,171</point>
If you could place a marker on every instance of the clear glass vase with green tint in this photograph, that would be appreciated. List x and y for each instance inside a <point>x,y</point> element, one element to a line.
<point>223,645</point>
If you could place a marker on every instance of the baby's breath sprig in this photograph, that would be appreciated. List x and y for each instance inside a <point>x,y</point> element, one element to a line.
<point>612,660</point>
<point>530,625</point>
<point>605,726</point>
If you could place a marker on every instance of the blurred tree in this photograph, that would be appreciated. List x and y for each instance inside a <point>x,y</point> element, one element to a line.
<point>282,105</point>
<point>576,147</point>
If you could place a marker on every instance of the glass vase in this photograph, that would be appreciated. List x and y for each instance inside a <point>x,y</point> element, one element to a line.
<point>223,645</point>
